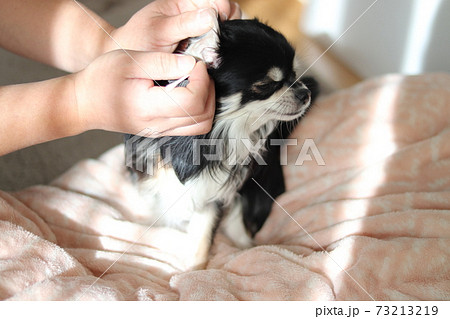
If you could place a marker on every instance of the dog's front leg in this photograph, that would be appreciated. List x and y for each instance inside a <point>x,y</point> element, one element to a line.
<point>233,224</point>
<point>200,231</point>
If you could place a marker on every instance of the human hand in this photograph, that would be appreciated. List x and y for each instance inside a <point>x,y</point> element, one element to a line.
<point>115,93</point>
<point>162,24</point>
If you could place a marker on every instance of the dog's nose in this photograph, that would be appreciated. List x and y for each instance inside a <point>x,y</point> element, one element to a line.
<point>303,95</point>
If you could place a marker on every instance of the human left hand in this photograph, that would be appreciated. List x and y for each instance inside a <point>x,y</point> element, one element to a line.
<point>162,24</point>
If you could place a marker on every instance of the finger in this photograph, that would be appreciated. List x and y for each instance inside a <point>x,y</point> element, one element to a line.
<point>202,87</point>
<point>159,103</point>
<point>199,80</point>
<point>210,105</point>
<point>160,66</point>
<point>204,121</point>
<point>197,101</point>
<point>172,127</point>
<point>189,130</point>
<point>188,24</point>
<point>202,109</point>
<point>181,101</point>
<point>198,124</point>
<point>224,7</point>
<point>235,11</point>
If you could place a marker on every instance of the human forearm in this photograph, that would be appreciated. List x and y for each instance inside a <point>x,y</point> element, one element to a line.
<point>55,32</point>
<point>37,112</point>
<point>113,93</point>
<point>63,33</point>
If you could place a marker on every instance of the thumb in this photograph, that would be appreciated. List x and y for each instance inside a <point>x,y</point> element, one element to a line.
<point>189,24</point>
<point>161,66</point>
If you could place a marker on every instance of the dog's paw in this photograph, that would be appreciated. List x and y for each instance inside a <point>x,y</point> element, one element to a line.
<point>241,240</point>
<point>198,259</point>
<point>233,226</point>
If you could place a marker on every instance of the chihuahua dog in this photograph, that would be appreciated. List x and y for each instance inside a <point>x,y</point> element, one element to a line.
<point>231,171</point>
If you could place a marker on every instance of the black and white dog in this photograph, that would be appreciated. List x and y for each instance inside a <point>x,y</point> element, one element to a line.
<point>195,180</point>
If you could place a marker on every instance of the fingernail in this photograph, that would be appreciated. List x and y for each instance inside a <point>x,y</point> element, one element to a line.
<point>185,63</point>
<point>206,16</point>
<point>238,8</point>
<point>213,5</point>
<point>223,16</point>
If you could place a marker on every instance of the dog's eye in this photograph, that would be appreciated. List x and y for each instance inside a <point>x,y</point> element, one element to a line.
<point>264,87</point>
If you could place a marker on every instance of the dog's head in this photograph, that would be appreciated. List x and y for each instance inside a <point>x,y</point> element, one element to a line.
<point>257,87</point>
<point>253,67</point>
<point>256,64</point>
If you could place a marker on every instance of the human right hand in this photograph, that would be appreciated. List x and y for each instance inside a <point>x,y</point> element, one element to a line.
<point>114,93</point>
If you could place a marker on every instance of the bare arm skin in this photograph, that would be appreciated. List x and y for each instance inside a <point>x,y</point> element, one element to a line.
<point>109,91</point>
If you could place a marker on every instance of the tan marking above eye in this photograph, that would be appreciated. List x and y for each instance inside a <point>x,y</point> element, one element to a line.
<point>256,87</point>
<point>275,74</point>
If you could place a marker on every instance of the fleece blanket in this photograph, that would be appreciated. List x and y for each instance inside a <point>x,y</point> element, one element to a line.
<point>366,216</point>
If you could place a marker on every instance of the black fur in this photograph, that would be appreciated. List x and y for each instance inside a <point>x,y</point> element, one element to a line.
<point>248,49</point>
<point>257,204</point>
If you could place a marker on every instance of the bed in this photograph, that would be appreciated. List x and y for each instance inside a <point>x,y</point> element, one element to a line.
<point>372,223</point>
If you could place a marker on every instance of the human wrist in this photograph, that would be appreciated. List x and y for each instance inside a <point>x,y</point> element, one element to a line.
<point>83,50</point>
<point>46,111</point>
<point>70,115</point>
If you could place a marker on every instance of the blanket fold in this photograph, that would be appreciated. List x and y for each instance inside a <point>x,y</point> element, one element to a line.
<point>372,223</point>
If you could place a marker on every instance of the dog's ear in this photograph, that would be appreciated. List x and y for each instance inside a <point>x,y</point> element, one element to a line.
<point>182,157</point>
<point>203,47</point>
<point>186,156</point>
<point>142,154</point>
<point>211,57</point>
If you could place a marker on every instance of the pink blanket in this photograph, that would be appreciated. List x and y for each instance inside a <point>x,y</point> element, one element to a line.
<point>373,222</point>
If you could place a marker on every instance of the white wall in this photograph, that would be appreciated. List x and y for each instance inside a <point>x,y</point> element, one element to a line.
<point>406,36</point>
